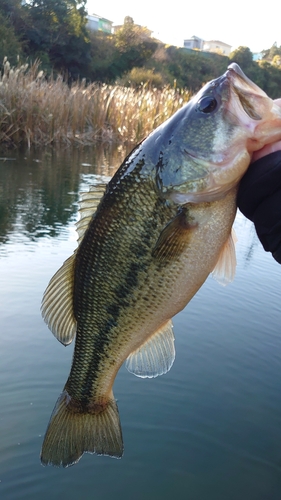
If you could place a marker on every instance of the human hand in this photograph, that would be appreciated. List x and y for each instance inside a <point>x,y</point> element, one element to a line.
<point>269,148</point>
<point>259,196</point>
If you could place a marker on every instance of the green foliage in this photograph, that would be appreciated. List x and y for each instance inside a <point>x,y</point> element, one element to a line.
<point>10,45</point>
<point>192,69</point>
<point>54,31</point>
<point>102,57</point>
<point>271,78</point>
<point>269,54</point>
<point>11,10</point>
<point>242,56</point>
<point>276,61</point>
<point>114,55</point>
<point>58,28</point>
<point>134,47</point>
<point>143,77</point>
<point>265,74</point>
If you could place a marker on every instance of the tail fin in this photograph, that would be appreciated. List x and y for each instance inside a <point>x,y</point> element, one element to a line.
<point>70,434</point>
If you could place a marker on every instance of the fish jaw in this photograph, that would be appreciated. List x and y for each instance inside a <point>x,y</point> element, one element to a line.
<point>216,145</point>
<point>258,114</point>
<point>268,131</point>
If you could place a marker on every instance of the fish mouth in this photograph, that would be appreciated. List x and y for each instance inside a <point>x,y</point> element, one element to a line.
<point>246,91</point>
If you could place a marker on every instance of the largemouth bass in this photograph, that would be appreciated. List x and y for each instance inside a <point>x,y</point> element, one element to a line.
<point>161,227</point>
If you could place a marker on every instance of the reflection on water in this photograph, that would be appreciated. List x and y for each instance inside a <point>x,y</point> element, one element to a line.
<point>208,430</point>
<point>39,191</point>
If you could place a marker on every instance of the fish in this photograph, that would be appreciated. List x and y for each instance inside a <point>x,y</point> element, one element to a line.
<point>147,242</point>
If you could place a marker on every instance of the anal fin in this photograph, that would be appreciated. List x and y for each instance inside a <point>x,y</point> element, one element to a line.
<point>156,356</point>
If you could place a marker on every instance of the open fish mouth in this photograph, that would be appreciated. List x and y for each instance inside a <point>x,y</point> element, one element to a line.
<point>246,90</point>
<point>233,118</point>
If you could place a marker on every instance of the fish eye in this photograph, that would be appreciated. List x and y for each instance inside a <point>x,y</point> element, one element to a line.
<point>207,104</point>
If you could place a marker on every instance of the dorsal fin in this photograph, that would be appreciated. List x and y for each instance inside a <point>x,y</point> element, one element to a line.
<point>88,204</point>
<point>57,303</point>
<point>154,357</point>
<point>224,270</point>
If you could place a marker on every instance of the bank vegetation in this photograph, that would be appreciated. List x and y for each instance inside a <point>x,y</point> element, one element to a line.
<point>139,81</point>
<point>40,110</point>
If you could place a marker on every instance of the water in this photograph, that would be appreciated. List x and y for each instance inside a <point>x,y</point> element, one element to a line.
<point>210,429</point>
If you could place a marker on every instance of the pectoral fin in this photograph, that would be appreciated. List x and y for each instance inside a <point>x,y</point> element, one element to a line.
<point>156,356</point>
<point>174,237</point>
<point>225,268</point>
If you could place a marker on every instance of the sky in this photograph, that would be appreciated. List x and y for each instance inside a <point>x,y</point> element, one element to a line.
<point>247,23</point>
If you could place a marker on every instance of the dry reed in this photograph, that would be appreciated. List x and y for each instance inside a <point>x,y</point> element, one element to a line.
<point>35,110</point>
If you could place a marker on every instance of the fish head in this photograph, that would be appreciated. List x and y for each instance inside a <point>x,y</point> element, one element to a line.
<point>207,146</point>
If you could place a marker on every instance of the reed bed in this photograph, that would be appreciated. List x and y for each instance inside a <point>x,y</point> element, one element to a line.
<point>36,110</point>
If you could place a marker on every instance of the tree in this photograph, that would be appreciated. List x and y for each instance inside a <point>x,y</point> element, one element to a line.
<point>265,75</point>
<point>242,56</point>
<point>134,46</point>
<point>10,45</point>
<point>10,8</point>
<point>272,78</point>
<point>193,69</point>
<point>269,54</point>
<point>10,30</point>
<point>276,61</point>
<point>58,28</point>
<point>102,57</point>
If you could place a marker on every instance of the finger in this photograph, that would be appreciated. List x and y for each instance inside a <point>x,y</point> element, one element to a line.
<point>269,148</point>
<point>278,102</point>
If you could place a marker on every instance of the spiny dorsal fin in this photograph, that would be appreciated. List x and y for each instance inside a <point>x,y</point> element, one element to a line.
<point>156,356</point>
<point>87,206</point>
<point>57,303</point>
<point>224,270</point>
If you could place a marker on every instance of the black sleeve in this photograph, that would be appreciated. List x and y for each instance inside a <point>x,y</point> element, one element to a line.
<point>259,199</point>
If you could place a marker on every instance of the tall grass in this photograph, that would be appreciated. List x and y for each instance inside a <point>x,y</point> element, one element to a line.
<point>35,110</point>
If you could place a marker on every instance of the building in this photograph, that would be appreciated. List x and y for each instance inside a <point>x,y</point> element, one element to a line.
<point>98,23</point>
<point>216,46</point>
<point>193,43</point>
<point>257,56</point>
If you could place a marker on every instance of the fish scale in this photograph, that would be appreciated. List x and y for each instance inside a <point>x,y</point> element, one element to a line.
<point>118,294</point>
<point>161,227</point>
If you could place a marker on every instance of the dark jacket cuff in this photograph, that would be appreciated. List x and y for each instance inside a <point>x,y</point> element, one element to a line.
<point>259,199</point>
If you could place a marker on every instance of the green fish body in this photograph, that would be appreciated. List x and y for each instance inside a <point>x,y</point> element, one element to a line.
<point>162,225</point>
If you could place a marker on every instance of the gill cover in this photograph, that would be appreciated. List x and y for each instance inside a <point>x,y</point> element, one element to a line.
<point>206,146</point>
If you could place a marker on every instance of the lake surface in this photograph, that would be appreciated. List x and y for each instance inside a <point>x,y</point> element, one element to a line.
<point>210,429</point>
